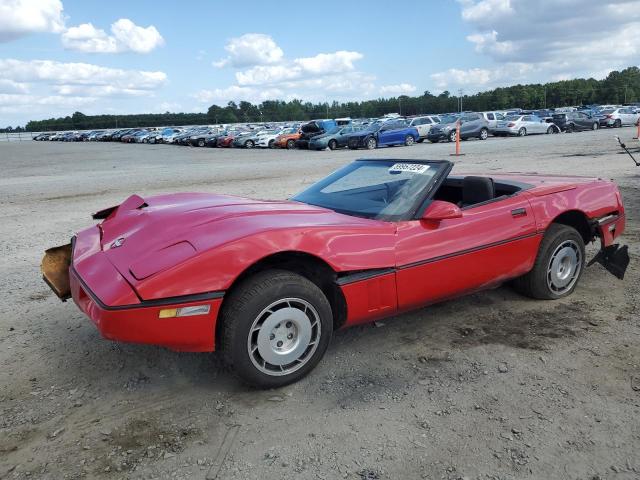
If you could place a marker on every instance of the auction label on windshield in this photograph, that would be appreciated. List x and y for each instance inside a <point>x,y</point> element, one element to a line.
<point>409,167</point>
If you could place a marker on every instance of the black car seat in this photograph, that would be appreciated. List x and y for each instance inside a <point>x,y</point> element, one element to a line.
<point>477,190</point>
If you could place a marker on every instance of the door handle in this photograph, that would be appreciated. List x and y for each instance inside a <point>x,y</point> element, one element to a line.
<point>519,212</point>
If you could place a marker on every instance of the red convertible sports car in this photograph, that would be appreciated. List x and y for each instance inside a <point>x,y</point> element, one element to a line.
<point>267,282</point>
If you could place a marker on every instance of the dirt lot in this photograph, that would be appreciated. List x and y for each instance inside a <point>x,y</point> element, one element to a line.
<point>491,386</point>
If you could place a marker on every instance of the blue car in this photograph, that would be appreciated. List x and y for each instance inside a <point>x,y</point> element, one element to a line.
<point>395,132</point>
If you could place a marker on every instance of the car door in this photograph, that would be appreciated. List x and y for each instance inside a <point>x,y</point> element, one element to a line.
<point>488,244</point>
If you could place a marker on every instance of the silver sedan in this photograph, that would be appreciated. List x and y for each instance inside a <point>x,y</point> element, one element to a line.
<point>522,125</point>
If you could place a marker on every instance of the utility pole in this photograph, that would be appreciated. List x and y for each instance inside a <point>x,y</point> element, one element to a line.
<point>400,105</point>
<point>460,99</point>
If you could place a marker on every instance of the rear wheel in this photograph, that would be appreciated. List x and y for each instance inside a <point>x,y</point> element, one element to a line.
<point>558,265</point>
<point>484,134</point>
<point>617,123</point>
<point>409,140</point>
<point>332,144</point>
<point>291,144</point>
<point>551,130</point>
<point>452,136</point>
<point>249,144</point>
<point>522,132</point>
<point>595,126</point>
<point>371,143</point>
<point>201,142</point>
<point>272,144</point>
<point>276,326</point>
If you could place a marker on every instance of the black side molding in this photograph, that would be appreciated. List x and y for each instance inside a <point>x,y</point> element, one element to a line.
<point>351,277</point>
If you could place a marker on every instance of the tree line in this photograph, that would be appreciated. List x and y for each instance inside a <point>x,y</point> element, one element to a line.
<point>617,88</point>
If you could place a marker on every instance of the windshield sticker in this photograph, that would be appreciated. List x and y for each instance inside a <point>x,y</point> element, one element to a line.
<point>409,167</point>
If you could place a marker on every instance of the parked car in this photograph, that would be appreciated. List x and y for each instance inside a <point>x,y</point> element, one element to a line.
<point>267,283</point>
<point>268,138</point>
<point>618,117</point>
<point>393,132</point>
<point>492,119</point>
<point>313,129</point>
<point>199,138</point>
<point>335,138</point>
<point>575,121</point>
<point>522,125</point>
<point>472,125</point>
<point>287,140</point>
<point>423,124</point>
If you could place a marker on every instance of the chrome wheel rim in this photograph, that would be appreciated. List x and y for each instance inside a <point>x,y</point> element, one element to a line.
<point>564,267</point>
<point>284,336</point>
<point>484,134</point>
<point>522,132</point>
<point>409,141</point>
<point>371,144</point>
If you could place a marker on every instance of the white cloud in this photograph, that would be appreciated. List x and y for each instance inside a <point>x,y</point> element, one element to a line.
<point>22,17</point>
<point>546,40</point>
<point>61,73</point>
<point>399,89</point>
<point>125,36</point>
<point>251,49</point>
<point>9,86</point>
<point>324,63</point>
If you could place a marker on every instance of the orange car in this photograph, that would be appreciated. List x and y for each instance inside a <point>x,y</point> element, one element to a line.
<point>287,140</point>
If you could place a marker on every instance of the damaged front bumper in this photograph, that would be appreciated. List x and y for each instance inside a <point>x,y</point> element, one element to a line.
<point>55,270</point>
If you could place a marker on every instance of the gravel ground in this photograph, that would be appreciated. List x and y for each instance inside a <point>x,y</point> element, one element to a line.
<point>490,386</point>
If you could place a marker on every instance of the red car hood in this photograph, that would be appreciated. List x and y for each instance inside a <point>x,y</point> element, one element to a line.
<point>145,236</point>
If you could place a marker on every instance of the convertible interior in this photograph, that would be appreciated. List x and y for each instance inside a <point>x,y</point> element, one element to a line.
<point>471,191</point>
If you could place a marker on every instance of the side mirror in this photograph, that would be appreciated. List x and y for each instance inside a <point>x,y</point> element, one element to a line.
<point>441,210</point>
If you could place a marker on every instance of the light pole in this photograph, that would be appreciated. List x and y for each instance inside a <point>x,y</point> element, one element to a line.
<point>460,99</point>
<point>400,105</point>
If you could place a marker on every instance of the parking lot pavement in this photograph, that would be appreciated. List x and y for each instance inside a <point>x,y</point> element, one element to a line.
<point>489,386</point>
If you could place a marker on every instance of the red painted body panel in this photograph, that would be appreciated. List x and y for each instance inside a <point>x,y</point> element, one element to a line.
<point>142,325</point>
<point>185,244</point>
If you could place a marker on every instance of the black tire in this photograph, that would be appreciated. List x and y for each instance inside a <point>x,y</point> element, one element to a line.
<point>452,136</point>
<point>595,126</point>
<point>249,144</point>
<point>522,132</point>
<point>569,128</point>
<point>551,130</point>
<point>246,305</point>
<point>535,284</point>
<point>332,145</point>
<point>291,144</point>
<point>617,123</point>
<point>272,144</point>
<point>484,134</point>
<point>371,143</point>
<point>201,142</point>
<point>409,140</point>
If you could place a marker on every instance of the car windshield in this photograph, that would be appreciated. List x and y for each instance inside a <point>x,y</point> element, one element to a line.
<point>377,189</point>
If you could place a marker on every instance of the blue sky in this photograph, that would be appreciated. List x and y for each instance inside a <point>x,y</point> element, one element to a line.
<point>59,56</point>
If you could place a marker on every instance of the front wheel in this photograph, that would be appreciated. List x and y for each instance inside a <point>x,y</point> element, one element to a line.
<point>275,328</point>
<point>551,130</point>
<point>332,145</point>
<point>291,144</point>
<point>595,126</point>
<point>484,134</point>
<point>558,265</point>
<point>409,140</point>
<point>201,142</point>
<point>249,144</point>
<point>452,136</point>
